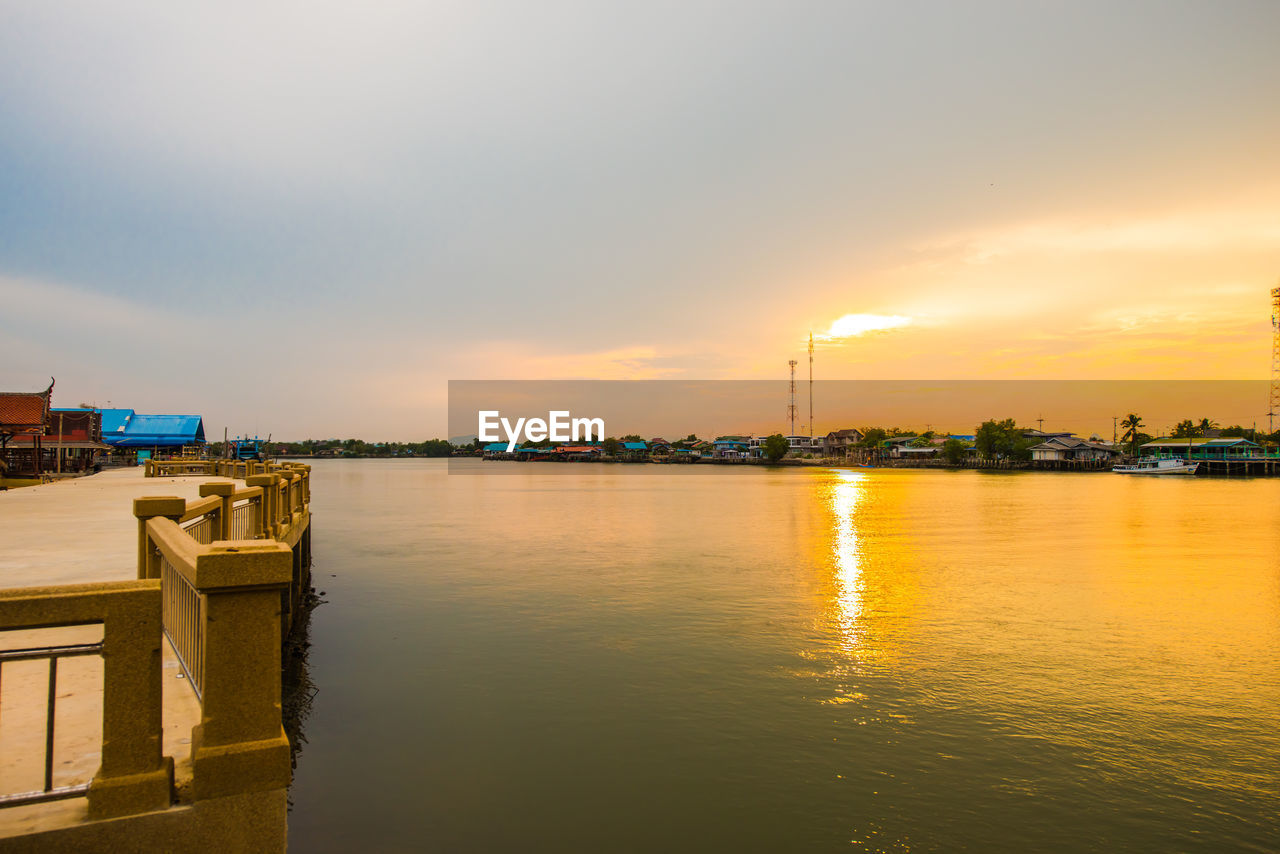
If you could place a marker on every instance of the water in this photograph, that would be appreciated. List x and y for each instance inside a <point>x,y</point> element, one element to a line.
<point>708,658</point>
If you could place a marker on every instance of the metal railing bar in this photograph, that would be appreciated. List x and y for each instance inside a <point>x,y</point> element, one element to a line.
<point>51,652</point>
<point>48,724</point>
<point>58,794</point>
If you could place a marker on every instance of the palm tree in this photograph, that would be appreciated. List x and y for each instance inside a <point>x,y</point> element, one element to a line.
<point>1206,425</point>
<point>1131,423</point>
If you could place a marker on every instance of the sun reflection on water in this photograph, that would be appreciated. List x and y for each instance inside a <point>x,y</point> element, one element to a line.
<point>847,493</point>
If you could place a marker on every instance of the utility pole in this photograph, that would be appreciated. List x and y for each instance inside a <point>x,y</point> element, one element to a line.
<point>1275,360</point>
<point>1114,435</point>
<point>1040,421</point>
<point>810,388</point>
<point>791,407</point>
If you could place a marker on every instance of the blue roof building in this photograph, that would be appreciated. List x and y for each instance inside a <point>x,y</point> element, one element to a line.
<point>131,430</point>
<point>114,421</point>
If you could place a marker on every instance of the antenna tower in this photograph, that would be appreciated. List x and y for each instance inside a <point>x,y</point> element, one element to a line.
<point>811,386</point>
<point>1274,403</point>
<point>791,409</point>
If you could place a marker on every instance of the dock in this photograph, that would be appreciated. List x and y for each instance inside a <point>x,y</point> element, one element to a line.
<point>141,622</point>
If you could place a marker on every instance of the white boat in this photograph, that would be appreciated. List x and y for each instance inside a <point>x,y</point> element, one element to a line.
<point>1158,466</point>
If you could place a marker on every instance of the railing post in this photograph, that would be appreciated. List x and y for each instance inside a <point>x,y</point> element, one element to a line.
<point>266,508</point>
<point>134,777</point>
<point>239,745</point>
<point>225,491</point>
<point>289,508</point>
<point>167,506</point>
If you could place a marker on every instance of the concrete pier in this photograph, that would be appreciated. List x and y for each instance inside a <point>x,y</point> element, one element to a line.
<point>84,541</point>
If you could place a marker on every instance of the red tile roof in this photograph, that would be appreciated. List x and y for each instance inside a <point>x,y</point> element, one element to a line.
<point>24,410</point>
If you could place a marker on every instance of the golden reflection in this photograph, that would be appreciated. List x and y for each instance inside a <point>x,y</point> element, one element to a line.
<point>847,493</point>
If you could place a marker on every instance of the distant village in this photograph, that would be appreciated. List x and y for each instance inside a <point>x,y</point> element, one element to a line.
<point>995,444</point>
<point>39,441</point>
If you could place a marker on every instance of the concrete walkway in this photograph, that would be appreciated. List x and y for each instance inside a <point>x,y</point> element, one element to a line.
<point>81,529</point>
<point>69,532</point>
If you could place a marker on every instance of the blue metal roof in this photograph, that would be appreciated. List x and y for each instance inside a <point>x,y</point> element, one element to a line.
<point>114,421</point>
<point>495,446</point>
<point>635,446</point>
<point>152,431</point>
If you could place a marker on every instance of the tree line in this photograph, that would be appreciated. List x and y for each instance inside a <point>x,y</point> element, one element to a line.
<point>352,448</point>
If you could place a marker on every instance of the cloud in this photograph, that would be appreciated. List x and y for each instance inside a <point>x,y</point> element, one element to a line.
<point>854,325</point>
<point>519,360</point>
<point>1248,226</point>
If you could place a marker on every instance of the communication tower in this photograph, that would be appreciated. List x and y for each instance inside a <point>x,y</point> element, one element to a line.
<point>791,409</point>
<point>1274,403</point>
<point>811,388</point>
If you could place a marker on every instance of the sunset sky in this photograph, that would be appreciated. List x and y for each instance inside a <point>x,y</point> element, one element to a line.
<point>305,218</point>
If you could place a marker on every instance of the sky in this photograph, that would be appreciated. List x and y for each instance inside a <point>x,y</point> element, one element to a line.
<point>304,219</point>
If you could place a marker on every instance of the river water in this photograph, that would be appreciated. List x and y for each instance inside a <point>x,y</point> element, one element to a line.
<point>609,658</point>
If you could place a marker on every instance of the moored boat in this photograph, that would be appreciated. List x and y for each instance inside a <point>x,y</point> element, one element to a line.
<point>1157,466</point>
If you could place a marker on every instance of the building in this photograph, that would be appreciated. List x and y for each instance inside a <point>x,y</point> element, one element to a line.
<point>1220,448</point>
<point>152,435</point>
<point>731,448</point>
<point>1072,449</point>
<point>838,443</point>
<point>633,452</point>
<point>24,416</point>
<point>72,441</point>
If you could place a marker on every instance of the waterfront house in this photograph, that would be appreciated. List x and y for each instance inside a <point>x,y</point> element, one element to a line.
<point>1220,448</point>
<point>633,452</point>
<point>659,448</point>
<point>26,415</point>
<point>578,453</point>
<point>895,444</point>
<point>802,446</point>
<point>1072,449</point>
<point>838,443</point>
<point>72,441</point>
<point>731,447</point>
<point>155,435</point>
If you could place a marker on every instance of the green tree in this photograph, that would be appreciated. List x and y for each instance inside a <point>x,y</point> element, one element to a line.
<point>873,436</point>
<point>1205,425</point>
<point>1131,423</point>
<point>632,437</point>
<point>611,446</point>
<point>991,438</point>
<point>1003,440</point>
<point>953,450</point>
<point>1185,429</point>
<point>1239,432</point>
<point>776,447</point>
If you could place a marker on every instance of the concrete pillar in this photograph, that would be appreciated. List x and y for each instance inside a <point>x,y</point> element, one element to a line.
<point>134,777</point>
<point>168,506</point>
<point>240,745</point>
<point>225,491</point>
<point>289,494</point>
<point>266,507</point>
